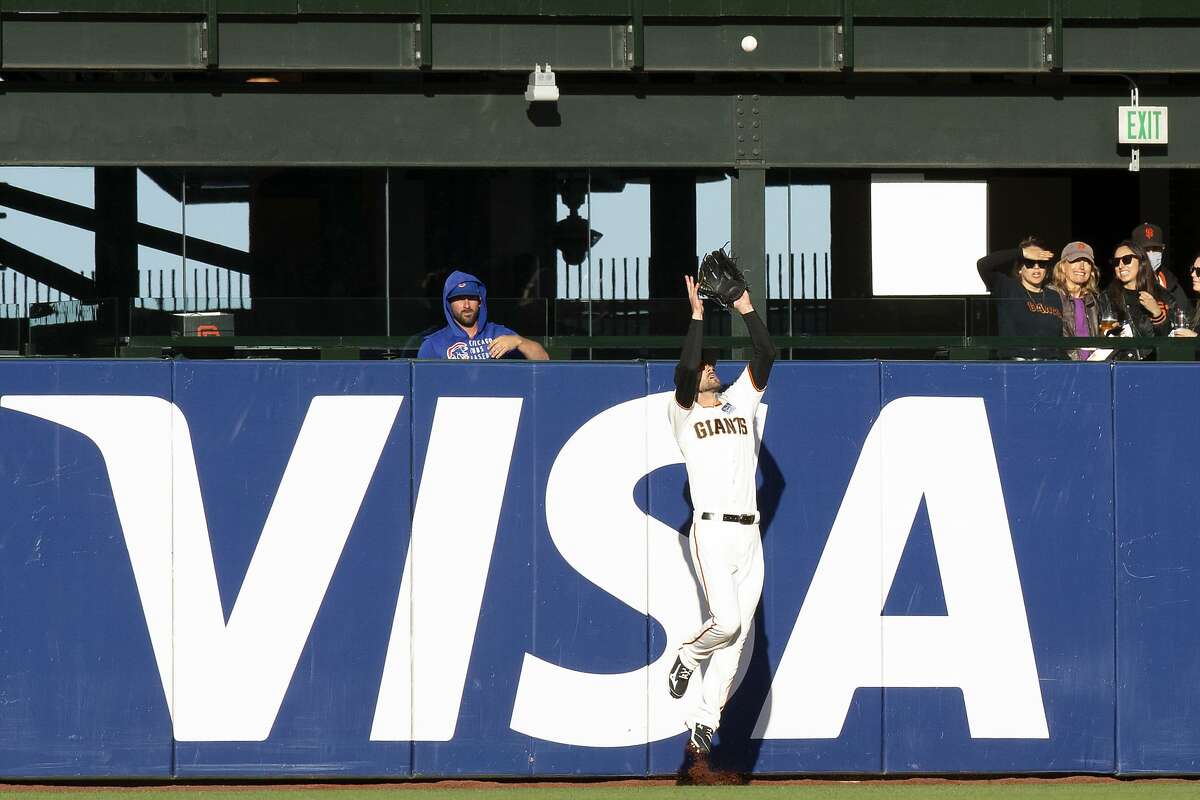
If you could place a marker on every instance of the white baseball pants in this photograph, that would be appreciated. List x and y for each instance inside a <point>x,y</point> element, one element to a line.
<point>728,561</point>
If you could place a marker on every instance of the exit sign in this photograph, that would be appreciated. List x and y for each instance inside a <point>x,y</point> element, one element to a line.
<point>1142,125</point>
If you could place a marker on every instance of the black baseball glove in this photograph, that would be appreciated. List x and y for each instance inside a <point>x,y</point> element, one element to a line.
<point>719,279</point>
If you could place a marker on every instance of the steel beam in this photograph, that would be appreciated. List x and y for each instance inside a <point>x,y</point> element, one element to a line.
<point>873,129</point>
<point>45,271</point>
<point>82,217</point>
<point>803,36</point>
<point>748,227</point>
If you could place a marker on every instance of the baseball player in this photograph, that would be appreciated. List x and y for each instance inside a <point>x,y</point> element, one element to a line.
<point>715,431</point>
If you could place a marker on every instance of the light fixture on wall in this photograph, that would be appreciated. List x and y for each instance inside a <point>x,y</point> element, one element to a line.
<point>541,88</point>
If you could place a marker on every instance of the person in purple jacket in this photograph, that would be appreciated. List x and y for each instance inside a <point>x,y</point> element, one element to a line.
<point>468,333</point>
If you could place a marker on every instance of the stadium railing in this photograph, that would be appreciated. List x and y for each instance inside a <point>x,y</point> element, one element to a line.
<point>953,328</point>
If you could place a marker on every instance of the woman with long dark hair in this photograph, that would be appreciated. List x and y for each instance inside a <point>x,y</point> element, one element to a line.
<point>1194,322</point>
<point>1136,297</point>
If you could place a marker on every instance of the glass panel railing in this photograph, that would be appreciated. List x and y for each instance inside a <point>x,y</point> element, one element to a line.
<point>13,327</point>
<point>265,317</point>
<point>871,316</point>
<point>371,326</point>
<point>69,328</point>
<point>894,328</point>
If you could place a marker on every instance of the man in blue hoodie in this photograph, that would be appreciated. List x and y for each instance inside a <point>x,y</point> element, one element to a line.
<point>468,334</point>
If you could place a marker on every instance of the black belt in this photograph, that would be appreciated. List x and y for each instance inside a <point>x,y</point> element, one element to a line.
<point>740,519</point>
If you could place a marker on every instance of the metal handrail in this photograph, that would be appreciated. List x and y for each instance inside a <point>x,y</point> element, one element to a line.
<point>1168,348</point>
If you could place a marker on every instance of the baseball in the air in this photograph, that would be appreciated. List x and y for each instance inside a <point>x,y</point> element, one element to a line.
<point>749,44</point>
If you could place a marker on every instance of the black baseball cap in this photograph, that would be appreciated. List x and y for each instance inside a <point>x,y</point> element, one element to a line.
<point>1148,235</point>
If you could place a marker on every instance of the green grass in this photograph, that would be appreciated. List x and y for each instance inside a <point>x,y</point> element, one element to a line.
<point>872,790</point>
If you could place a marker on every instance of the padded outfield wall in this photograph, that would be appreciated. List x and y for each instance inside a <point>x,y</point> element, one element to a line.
<point>396,569</point>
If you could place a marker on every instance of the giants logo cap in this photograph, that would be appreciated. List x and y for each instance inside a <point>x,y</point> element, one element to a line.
<point>1148,235</point>
<point>1078,250</point>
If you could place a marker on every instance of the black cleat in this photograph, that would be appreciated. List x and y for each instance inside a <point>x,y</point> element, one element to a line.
<point>677,680</point>
<point>700,740</point>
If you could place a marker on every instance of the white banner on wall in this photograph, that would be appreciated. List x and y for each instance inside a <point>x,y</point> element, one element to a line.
<point>927,235</point>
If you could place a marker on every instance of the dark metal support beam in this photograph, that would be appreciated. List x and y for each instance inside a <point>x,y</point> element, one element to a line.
<point>637,30</point>
<point>796,36</point>
<point>212,36</point>
<point>748,227</point>
<point>874,127</point>
<point>159,238</point>
<point>850,236</point>
<point>425,58</point>
<point>51,208</point>
<point>116,240</point>
<point>847,35</point>
<point>45,271</point>
<point>197,249</point>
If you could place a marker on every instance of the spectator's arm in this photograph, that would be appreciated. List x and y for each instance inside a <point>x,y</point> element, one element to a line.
<point>532,350</point>
<point>1164,319</point>
<point>993,265</point>
<point>1180,296</point>
<point>503,345</point>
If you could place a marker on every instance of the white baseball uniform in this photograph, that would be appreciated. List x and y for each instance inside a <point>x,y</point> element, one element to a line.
<point>721,453</point>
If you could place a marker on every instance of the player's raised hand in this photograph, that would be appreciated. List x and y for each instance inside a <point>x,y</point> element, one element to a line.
<point>693,294</point>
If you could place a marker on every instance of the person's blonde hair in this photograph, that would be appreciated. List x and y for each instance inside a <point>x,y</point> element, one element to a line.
<point>1059,279</point>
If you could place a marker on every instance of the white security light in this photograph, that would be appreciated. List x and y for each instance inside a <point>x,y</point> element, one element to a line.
<point>541,88</point>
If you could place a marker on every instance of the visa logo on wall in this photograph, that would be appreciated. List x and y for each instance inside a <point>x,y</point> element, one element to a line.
<point>224,679</point>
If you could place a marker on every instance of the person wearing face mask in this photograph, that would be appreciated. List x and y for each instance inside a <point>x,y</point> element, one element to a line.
<point>1084,306</point>
<point>1139,302</point>
<point>1150,237</point>
<point>1025,305</point>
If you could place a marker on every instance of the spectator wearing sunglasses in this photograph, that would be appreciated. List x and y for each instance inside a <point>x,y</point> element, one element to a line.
<point>1083,305</point>
<point>1025,306</point>
<point>1195,317</point>
<point>1150,237</point>
<point>1137,298</point>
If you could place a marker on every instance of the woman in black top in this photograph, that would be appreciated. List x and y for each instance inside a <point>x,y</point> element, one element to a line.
<point>1195,319</point>
<point>1195,273</point>
<point>1025,305</point>
<point>1137,298</point>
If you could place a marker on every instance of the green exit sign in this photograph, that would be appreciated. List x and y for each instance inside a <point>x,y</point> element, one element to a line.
<point>1142,125</point>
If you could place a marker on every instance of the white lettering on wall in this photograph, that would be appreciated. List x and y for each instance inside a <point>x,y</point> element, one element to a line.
<point>600,531</point>
<point>453,533</point>
<point>225,682</point>
<point>939,448</point>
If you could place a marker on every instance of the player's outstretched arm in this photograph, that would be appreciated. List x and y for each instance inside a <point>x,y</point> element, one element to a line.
<point>764,351</point>
<point>687,372</point>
